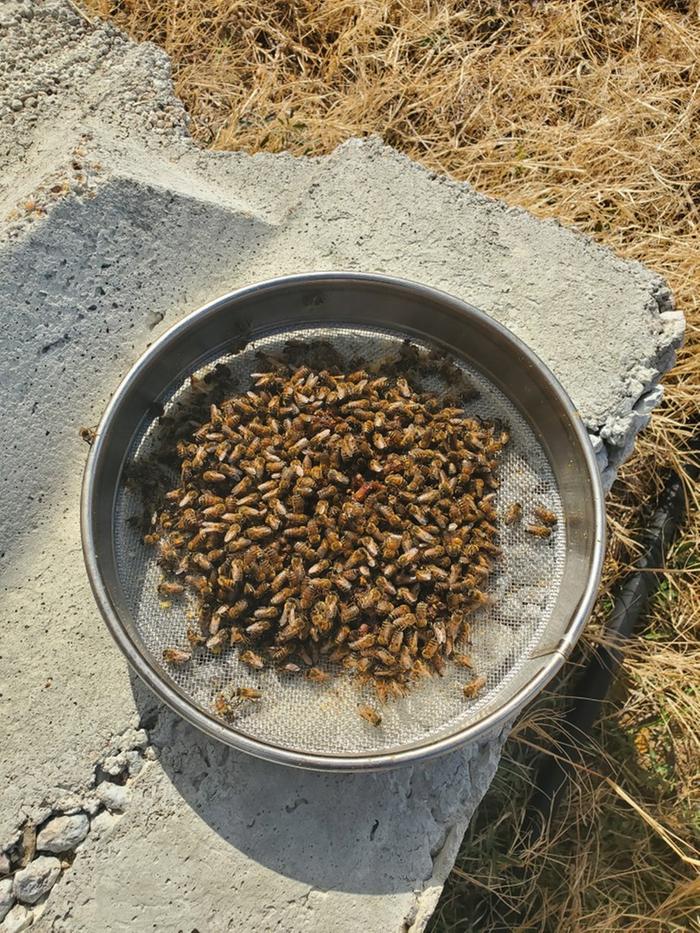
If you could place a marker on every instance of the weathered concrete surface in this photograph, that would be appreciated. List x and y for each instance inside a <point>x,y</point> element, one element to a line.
<point>134,227</point>
<point>214,840</point>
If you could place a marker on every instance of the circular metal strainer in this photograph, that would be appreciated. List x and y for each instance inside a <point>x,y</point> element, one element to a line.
<point>541,590</point>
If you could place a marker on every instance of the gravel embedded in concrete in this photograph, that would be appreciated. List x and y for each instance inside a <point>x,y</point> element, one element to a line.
<point>37,879</point>
<point>19,918</point>
<point>103,823</point>
<point>113,796</point>
<point>7,898</point>
<point>114,765</point>
<point>63,833</point>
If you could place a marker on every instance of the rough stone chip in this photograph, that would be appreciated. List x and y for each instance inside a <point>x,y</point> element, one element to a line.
<point>113,796</point>
<point>19,918</point>
<point>7,898</point>
<point>32,882</point>
<point>63,833</point>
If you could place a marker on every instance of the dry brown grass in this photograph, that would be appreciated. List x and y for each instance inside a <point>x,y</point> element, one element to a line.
<point>590,112</point>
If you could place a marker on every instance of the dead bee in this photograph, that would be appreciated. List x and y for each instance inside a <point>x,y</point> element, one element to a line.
<point>176,656</point>
<point>223,706</point>
<point>538,531</point>
<point>195,638</point>
<point>365,641</point>
<point>252,660</point>
<point>218,642</point>
<point>168,588</point>
<point>463,660</point>
<point>213,476</point>
<point>471,689</point>
<point>228,702</point>
<point>514,513</point>
<point>88,435</point>
<point>317,676</point>
<point>545,515</point>
<point>248,693</point>
<point>430,648</point>
<point>370,714</point>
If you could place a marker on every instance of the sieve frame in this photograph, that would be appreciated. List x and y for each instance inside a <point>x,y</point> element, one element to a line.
<point>368,300</point>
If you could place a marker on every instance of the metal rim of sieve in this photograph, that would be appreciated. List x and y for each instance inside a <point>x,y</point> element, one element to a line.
<point>308,299</point>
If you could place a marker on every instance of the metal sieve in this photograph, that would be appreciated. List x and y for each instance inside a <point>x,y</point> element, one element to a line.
<point>542,590</point>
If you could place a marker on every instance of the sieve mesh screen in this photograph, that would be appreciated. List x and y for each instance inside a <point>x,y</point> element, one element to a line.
<point>322,719</point>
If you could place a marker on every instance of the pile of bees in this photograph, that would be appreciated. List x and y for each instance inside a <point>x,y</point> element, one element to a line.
<point>332,522</point>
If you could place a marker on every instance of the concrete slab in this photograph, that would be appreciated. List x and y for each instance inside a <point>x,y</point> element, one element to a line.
<point>113,224</point>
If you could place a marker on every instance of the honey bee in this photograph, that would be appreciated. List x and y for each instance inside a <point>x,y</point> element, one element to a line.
<point>237,609</point>
<point>176,656</point>
<point>545,515</point>
<point>463,660</point>
<point>213,476</point>
<point>349,613</point>
<point>170,589</point>
<point>365,641</point>
<point>317,676</point>
<point>367,599</point>
<point>421,614</point>
<point>370,714</point>
<point>280,653</point>
<point>252,660</point>
<point>514,513</point>
<point>321,617</point>
<point>248,693</point>
<point>471,689</point>
<point>222,706</point>
<point>479,597</point>
<point>408,557</point>
<point>203,562</point>
<point>538,531</point>
<point>430,648</point>
<point>258,629</point>
<point>419,669</point>
<point>195,638</point>
<point>396,642</point>
<point>207,499</point>
<point>238,637</point>
<point>218,642</point>
<point>385,656</point>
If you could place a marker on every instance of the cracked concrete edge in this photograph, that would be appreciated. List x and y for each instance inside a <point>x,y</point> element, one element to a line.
<point>480,764</point>
<point>482,769</point>
<point>128,754</point>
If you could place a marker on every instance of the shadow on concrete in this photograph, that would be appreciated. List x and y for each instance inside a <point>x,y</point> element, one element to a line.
<point>368,833</point>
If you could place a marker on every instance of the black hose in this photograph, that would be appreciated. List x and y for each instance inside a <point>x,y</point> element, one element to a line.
<point>630,602</point>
